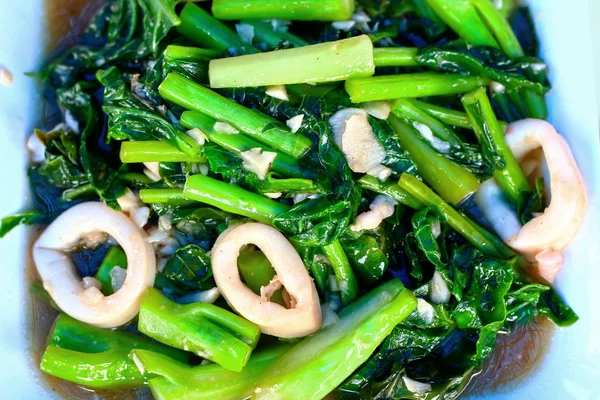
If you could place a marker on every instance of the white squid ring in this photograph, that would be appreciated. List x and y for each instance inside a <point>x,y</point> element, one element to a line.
<point>273,319</point>
<point>62,281</point>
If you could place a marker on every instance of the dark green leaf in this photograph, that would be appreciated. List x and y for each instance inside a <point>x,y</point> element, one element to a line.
<point>189,268</point>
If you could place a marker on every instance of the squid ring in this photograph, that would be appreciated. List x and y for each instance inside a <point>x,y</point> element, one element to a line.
<point>64,285</point>
<point>303,318</point>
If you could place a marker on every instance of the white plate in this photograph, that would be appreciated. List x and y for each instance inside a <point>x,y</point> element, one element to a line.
<point>571,370</point>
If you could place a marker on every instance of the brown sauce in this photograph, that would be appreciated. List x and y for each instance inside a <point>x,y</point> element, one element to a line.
<point>517,354</point>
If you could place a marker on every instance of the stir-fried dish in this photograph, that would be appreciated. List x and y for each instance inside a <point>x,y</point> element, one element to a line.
<point>297,199</point>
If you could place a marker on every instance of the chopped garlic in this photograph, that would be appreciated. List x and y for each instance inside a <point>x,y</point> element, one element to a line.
<point>355,137</point>
<point>380,172</point>
<point>258,161</point>
<point>90,281</point>
<point>152,171</point>
<point>416,386</point>
<point>206,296</point>
<point>434,141</point>
<point>438,290</point>
<point>377,109</point>
<point>198,136</point>
<point>140,216</point>
<point>295,123</point>
<point>361,17</point>
<point>129,201</point>
<point>381,208</point>
<point>343,25</point>
<point>425,310</point>
<point>224,127</point>
<point>164,223</point>
<point>245,32</point>
<point>333,283</point>
<point>278,92</point>
<point>299,197</point>
<point>71,122</point>
<point>329,315</point>
<point>117,277</point>
<point>37,149</point>
<point>275,195</point>
<point>538,67</point>
<point>498,88</point>
<point>6,77</point>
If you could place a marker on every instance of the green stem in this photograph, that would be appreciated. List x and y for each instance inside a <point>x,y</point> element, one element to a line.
<point>451,181</point>
<point>257,271</point>
<point>169,379</point>
<point>500,27</point>
<point>206,31</point>
<point>283,163</point>
<point>395,56</point>
<point>264,33</point>
<point>336,351</point>
<point>408,111</point>
<point>476,235</point>
<point>191,62</point>
<point>174,52</point>
<point>317,63</point>
<point>154,151</point>
<point>297,10</point>
<point>80,191</point>
<point>135,178</point>
<point>203,329</point>
<point>422,84</point>
<point>535,104</point>
<point>260,127</point>
<point>346,280</point>
<point>171,196</point>
<point>464,19</point>
<point>97,358</point>
<point>232,198</point>
<point>390,189</point>
<point>510,177</point>
<point>450,117</point>
<point>115,257</point>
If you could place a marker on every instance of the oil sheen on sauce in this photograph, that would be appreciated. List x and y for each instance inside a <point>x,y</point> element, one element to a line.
<point>516,355</point>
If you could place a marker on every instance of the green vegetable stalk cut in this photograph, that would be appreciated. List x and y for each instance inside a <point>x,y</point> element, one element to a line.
<point>448,116</point>
<point>171,380</point>
<point>203,329</point>
<point>422,84</point>
<point>390,189</point>
<point>154,151</point>
<point>295,10</point>
<point>264,33</point>
<point>483,240</point>
<point>283,163</point>
<point>318,63</point>
<point>451,181</point>
<point>395,56</point>
<point>258,126</point>
<point>320,362</point>
<point>507,171</point>
<point>170,196</point>
<point>206,31</point>
<point>98,358</point>
<point>344,276</point>
<point>191,62</point>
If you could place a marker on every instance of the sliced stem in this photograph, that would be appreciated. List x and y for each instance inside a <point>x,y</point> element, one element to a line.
<point>232,198</point>
<point>154,151</point>
<point>320,362</point>
<point>297,10</point>
<point>283,163</point>
<point>422,84</point>
<point>395,56</point>
<point>447,116</point>
<point>203,329</point>
<point>476,235</point>
<point>206,31</point>
<point>390,189</point>
<point>346,280</point>
<point>451,181</point>
<point>80,191</point>
<point>510,178</point>
<point>317,63</point>
<point>260,127</point>
<point>264,33</point>
<point>174,52</point>
<point>169,196</point>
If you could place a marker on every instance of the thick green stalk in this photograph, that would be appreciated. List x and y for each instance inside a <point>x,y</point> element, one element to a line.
<point>346,280</point>
<point>320,362</point>
<point>135,179</point>
<point>232,198</point>
<point>206,31</point>
<point>476,235</point>
<point>464,19</point>
<point>115,257</point>
<point>171,196</point>
<point>317,63</point>
<point>174,52</point>
<point>154,151</point>
<point>260,127</point>
<point>295,10</point>
<point>500,27</point>
<point>390,189</point>
<point>395,56</point>
<point>170,380</point>
<point>98,358</point>
<point>410,112</point>
<point>264,33</point>
<point>450,117</point>
<point>283,163</point>
<point>203,329</point>
<point>422,84</point>
<point>188,61</point>
<point>449,180</point>
<point>510,178</point>
<point>257,271</point>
